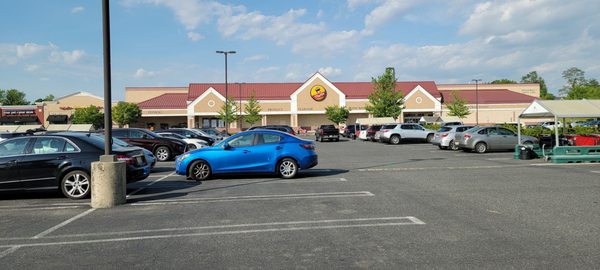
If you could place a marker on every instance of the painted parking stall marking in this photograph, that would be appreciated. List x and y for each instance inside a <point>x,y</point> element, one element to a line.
<point>168,233</point>
<point>258,198</point>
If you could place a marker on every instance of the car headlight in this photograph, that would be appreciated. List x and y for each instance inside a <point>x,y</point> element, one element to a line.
<point>184,156</point>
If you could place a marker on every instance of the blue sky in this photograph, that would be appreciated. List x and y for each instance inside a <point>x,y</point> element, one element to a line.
<point>55,47</point>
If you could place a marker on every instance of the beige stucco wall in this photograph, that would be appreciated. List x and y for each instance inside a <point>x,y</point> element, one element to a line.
<point>163,112</point>
<point>353,116</point>
<point>278,119</point>
<point>307,103</point>
<point>356,105</point>
<point>67,106</point>
<point>492,114</point>
<point>139,94</point>
<point>531,89</point>
<point>313,120</point>
<point>426,102</point>
<point>203,107</point>
<point>271,107</point>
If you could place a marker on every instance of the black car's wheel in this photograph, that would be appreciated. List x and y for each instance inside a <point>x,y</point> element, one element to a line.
<point>200,170</point>
<point>162,153</point>
<point>395,139</point>
<point>453,146</point>
<point>429,138</point>
<point>287,168</point>
<point>480,147</point>
<point>441,147</point>
<point>76,185</point>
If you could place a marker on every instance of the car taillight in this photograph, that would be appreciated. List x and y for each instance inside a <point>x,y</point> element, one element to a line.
<point>444,135</point>
<point>127,159</point>
<point>467,136</point>
<point>308,146</point>
<point>385,130</point>
<point>293,132</point>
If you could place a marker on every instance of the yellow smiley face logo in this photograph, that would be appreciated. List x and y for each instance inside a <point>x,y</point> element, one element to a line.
<point>318,93</point>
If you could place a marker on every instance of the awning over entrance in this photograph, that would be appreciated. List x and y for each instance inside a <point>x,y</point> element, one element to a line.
<point>58,118</point>
<point>19,119</point>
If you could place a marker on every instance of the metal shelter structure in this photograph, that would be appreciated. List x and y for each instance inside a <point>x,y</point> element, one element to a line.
<point>560,109</point>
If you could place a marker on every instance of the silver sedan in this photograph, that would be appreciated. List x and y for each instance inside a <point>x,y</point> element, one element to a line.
<point>483,139</point>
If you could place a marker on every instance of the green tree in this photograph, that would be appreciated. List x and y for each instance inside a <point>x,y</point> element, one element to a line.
<point>385,101</point>
<point>126,113</point>
<point>584,91</point>
<point>458,106</point>
<point>337,114</point>
<point>47,98</point>
<point>12,97</point>
<point>252,109</point>
<point>228,112</point>
<point>532,77</point>
<point>575,77</point>
<point>503,81</point>
<point>88,115</point>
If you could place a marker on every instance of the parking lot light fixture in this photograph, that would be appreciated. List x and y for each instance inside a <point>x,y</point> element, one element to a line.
<point>226,96</point>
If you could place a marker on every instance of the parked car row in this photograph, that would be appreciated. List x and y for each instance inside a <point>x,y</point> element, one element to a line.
<point>62,160</point>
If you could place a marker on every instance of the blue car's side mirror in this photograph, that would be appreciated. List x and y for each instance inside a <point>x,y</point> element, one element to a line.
<point>226,146</point>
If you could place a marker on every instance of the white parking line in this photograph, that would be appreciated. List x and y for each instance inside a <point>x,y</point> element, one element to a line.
<point>21,208</point>
<point>595,171</point>
<point>478,167</point>
<point>64,223</point>
<point>257,198</point>
<point>224,230</point>
<point>9,251</point>
<point>502,158</point>
<point>301,181</point>
<point>150,184</point>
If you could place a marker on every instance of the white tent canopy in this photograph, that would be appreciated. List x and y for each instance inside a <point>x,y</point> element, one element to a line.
<point>560,109</point>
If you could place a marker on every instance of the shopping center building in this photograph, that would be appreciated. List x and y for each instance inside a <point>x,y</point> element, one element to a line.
<point>302,105</point>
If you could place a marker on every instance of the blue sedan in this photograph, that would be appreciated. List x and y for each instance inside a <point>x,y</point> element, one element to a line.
<point>256,151</point>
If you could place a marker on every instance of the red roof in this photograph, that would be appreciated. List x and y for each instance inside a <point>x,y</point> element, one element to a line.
<point>166,101</point>
<point>488,96</point>
<point>283,91</point>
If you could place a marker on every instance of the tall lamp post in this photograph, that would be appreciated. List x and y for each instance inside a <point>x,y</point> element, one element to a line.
<point>226,96</point>
<point>476,99</point>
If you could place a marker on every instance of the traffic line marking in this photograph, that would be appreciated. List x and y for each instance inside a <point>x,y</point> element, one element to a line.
<point>64,223</point>
<point>150,184</point>
<point>257,198</point>
<point>478,167</point>
<point>300,181</point>
<point>219,230</point>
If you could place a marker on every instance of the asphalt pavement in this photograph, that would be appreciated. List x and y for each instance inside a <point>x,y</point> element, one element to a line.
<point>365,206</point>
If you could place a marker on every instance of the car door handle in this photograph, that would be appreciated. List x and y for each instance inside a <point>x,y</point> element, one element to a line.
<point>246,151</point>
<point>61,157</point>
<point>278,147</point>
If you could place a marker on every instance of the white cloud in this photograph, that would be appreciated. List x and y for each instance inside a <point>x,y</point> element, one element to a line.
<point>30,49</point>
<point>281,29</point>
<point>329,44</point>
<point>141,73</point>
<point>31,68</point>
<point>257,57</point>
<point>77,9</point>
<point>194,36</point>
<point>388,10</point>
<point>352,4</point>
<point>66,56</point>
<point>330,71</point>
<point>267,70</point>
<point>190,13</point>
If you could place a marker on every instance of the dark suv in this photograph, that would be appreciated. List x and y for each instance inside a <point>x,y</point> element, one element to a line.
<point>283,128</point>
<point>163,148</point>
<point>190,133</point>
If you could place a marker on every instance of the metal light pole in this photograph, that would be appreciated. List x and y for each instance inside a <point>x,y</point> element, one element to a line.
<point>240,108</point>
<point>476,99</point>
<point>107,79</point>
<point>226,96</point>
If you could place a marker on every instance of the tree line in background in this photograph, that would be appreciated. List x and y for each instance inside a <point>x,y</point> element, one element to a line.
<point>230,111</point>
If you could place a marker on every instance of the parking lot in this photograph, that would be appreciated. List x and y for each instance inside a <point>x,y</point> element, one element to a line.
<point>366,205</point>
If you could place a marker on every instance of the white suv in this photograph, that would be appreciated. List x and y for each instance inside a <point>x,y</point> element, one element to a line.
<point>395,133</point>
<point>550,124</point>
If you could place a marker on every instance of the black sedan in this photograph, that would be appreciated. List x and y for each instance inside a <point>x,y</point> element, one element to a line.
<point>61,160</point>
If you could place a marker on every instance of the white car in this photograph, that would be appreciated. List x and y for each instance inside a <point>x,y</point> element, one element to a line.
<point>192,143</point>
<point>395,133</point>
<point>550,124</point>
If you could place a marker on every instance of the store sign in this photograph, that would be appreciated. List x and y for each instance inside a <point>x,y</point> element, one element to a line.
<point>318,93</point>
